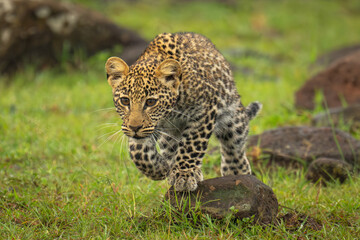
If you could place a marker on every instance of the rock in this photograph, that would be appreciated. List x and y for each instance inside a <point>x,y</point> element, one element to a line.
<point>243,196</point>
<point>348,115</point>
<point>328,169</point>
<point>293,145</point>
<point>39,32</point>
<point>339,82</point>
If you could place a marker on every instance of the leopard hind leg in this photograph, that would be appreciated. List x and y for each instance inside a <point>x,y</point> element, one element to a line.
<point>231,130</point>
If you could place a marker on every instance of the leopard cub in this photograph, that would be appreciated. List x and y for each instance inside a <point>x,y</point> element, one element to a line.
<point>179,92</point>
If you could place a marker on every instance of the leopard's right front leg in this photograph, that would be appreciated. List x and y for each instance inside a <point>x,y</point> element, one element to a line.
<point>144,154</point>
<point>186,171</point>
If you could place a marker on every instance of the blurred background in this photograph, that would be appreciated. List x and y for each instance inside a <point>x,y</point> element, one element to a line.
<point>58,126</point>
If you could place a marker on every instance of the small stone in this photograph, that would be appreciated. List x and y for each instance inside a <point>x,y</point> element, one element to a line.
<point>244,196</point>
<point>328,169</point>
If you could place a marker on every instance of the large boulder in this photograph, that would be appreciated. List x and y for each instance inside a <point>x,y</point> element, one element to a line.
<point>39,31</point>
<point>244,196</point>
<point>339,82</point>
<point>296,145</point>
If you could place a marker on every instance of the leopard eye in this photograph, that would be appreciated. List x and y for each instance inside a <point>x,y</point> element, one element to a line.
<point>125,101</point>
<point>150,102</point>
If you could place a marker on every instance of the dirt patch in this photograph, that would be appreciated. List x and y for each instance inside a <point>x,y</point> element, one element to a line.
<point>294,221</point>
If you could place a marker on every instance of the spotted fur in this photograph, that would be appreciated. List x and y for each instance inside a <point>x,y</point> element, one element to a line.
<point>177,94</point>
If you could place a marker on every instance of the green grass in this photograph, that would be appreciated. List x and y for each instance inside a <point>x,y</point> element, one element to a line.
<point>63,174</point>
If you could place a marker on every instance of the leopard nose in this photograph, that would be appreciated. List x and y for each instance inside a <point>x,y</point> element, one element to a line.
<point>136,128</point>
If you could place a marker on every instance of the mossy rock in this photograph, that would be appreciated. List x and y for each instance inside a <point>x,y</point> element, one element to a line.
<point>244,196</point>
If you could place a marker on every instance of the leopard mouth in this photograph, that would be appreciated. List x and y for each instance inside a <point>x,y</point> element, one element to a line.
<point>139,137</point>
<point>138,134</point>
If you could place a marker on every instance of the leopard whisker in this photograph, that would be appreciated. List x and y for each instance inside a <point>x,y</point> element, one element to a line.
<point>106,125</point>
<point>172,124</point>
<point>109,137</point>
<point>186,115</point>
<point>123,137</point>
<point>153,136</point>
<point>168,143</point>
<point>169,135</point>
<point>106,134</point>
<point>116,140</point>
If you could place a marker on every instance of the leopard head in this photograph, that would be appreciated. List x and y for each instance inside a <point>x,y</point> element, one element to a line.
<point>144,93</point>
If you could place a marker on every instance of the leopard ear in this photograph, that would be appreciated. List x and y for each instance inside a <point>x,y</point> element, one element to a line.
<point>169,72</point>
<point>115,69</point>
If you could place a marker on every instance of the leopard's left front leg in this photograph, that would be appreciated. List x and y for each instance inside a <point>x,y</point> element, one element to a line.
<point>144,154</point>
<point>186,172</point>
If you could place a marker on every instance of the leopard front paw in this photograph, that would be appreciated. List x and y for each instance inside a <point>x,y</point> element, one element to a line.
<point>185,179</point>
